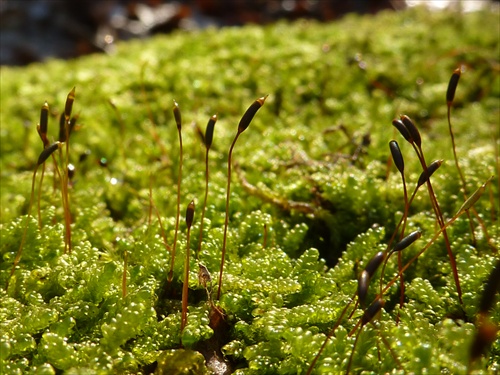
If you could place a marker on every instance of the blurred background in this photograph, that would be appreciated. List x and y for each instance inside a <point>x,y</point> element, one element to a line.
<point>34,30</point>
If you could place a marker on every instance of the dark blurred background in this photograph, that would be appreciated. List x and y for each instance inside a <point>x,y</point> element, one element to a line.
<point>34,30</point>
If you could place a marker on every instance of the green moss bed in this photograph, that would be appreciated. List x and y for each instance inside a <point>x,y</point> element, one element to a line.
<point>314,197</point>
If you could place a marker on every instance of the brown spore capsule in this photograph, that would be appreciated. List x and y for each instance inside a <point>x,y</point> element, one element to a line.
<point>44,155</point>
<point>363,282</point>
<point>209,132</point>
<point>372,310</point>
<point>177,115</point>
<point>250,113</point>
<point>375,262</point>
<point>44,124</point>
<point>190,214</point>
<point>412,129</point>
<point>452,86</point>
<point>44,118</point>
<point>397,156</point>
<point>69,103</point>
<point>431,168</point>
<point>407,241</point>
<point>62,128</point>
<point>398,124</point>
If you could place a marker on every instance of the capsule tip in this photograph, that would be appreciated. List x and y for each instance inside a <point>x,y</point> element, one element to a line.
<point>262,99</point>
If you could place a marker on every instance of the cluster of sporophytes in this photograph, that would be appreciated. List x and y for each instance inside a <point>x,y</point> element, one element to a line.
<point>304,234</point>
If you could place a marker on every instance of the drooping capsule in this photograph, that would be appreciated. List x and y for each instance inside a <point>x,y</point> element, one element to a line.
<point>177,115</point>
<point>372,310</point>
<point>412,129</point>
<point>209,132</point>
<point>407,241</point>
<point>452,86</point>
<point>398,124</point>
<point>375,262</point>
<point>367,274</point>
<point>363,283</point>
<point>44,155</point>
<point>431,168</point>
<point>397,156</point>
<point>250,113</point>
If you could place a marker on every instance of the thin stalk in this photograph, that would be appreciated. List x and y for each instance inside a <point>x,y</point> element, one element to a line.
<point>40,197</point>
<point>189,222</point>
<point>424,176</point>
<point>208,143</point>
<point>465,207</point>
<point>41,159</point>
<point>367,317</point>
<point>178,121</point>
<point>413,136</point>
<point>151,203</point>
<point>124,277</point>
<point>226,219</point>
<point>64,134</point>
<point>329,336</point>
<point>361,292</point>
<point>496,147</point>
<point>42,129</point>
<point>439,216</point>
<point>23,238</point>
<point>393,354</point>
<point>65,203</point>
<point>57,175</point>
<point>450,95</point>
<point>67,213</point>
<point>349,363</point>
<point>399,161</point>
<point>245,121</point>
<point>204,207</point>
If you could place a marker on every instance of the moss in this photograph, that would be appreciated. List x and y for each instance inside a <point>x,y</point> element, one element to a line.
<point>312,200</point>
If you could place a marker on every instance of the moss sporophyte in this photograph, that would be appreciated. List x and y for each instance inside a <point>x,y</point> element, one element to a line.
<point>316,256</point>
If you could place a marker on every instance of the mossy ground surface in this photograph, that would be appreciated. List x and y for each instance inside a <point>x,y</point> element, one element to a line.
<point>65,312</point>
